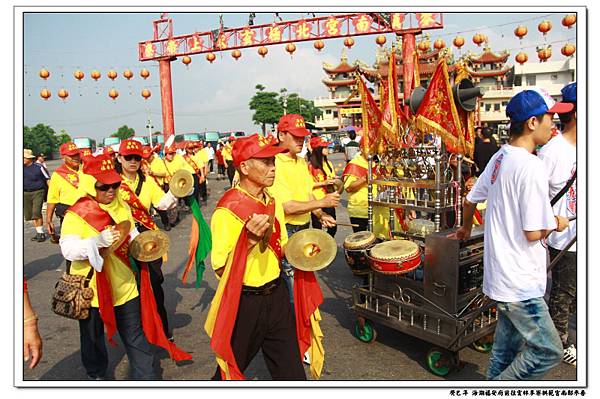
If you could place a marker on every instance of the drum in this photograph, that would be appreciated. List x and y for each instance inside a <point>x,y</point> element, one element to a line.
<point>355,247</point>
<point>394,257</point>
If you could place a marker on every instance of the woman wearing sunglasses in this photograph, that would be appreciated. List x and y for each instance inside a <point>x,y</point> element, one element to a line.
<point>141,192</point>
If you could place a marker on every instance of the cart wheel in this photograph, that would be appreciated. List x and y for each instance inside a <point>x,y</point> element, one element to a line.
<point>365,334</point>
<point>483,345</point>
<point>439,362</point>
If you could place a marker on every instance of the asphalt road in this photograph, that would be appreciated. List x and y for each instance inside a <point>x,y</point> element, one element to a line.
<point>394,356</point>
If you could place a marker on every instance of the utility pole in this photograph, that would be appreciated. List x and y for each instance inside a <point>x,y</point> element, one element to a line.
<point>149,127</point>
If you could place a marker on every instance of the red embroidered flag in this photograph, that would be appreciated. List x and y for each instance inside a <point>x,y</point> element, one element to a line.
<point>371,119</point>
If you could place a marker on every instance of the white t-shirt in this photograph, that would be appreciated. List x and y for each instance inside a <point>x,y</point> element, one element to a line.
<point>515,185</point>
<point>560,158</point>
<point>211,152</point>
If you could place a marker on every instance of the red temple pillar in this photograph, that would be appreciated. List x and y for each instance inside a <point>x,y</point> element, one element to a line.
<point>166,97</point>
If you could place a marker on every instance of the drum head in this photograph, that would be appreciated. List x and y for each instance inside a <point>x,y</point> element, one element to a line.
<point>358,240</point>
<point>394,250</point>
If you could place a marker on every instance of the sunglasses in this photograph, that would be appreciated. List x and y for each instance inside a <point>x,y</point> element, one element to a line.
<point>132,157</point>
<point>106,187</point>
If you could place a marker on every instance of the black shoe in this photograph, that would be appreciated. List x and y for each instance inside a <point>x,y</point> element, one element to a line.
<point>41,237</point>
<point>96,378</point>
<point>34,238</point>
<point>171,338</point>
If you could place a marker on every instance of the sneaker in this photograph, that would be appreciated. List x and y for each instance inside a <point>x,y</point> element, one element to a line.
<point>306,358</point>
<point>570,355</point>
<point>41,237</point>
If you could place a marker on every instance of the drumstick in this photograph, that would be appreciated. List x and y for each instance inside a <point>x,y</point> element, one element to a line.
<point>345,224</point>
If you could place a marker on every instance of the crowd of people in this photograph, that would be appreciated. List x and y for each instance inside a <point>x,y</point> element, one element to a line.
<point>262,302</point>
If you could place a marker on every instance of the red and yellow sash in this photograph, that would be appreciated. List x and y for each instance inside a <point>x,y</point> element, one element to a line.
<point>190,161</point>
<point>355,170</point>
<point>318,176</point>
<point>68,174</point>
<point>138,210</point>
<point>243,206</point>
<point>146,165</point>
<point>89,211</point>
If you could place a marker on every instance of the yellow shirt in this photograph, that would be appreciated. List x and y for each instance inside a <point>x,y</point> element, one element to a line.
<point>226,152</point>
<point>61,191</point>
<point>186,165</point>
<point>122,280</point>
<point>201,157</point>
<point>158,166</point>
<point>294,182</point>
<point>174,165</point>
<point>261,267</point>
<point>319,193</point>
<point>150,194</point>
<point>358,200</point>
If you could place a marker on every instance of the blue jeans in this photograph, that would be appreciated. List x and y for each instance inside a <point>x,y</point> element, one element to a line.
<point>288,270</point>
<point>526,343</point>
<point>129,325</point>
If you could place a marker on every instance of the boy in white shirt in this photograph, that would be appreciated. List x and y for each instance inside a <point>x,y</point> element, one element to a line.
<point>560,159</point>
<point>518,217</point>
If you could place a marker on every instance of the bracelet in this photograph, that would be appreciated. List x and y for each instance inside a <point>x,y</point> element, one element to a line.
<point>557,224</point>
<point>30,318</point>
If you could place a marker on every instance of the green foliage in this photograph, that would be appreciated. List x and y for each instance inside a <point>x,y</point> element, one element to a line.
<point>40,139</point>
<point>63,137</point>
<point>266,106</point>
<point>301,106</point>
<point>124,132</point>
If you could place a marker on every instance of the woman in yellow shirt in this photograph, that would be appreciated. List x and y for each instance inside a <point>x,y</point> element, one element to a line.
<point>323,174</point>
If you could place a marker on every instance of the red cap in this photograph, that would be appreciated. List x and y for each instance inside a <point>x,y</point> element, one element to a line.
<point>254,146</point>
<point>172,149</point>
<point>157,147</point>
<point>294,124</point>
<point>69,148</point>
<point>231,138</point>
<point>102,168</point>
<point>318,142</point>
<point>189,145</point>
<point>130,147</point>
<point>108,150</point>
<point>146,151</point>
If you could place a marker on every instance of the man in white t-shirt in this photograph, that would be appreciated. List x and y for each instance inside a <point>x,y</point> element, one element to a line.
<point>560,159</point>
<point>519,215</point>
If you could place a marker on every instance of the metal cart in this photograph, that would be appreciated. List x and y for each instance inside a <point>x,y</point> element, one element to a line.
<point>441,302</point>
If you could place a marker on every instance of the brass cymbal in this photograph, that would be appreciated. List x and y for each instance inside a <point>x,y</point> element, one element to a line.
<point>336,187</point>
<point>149,245</point>
<point>124,227</point>
<point>310,250</point>
<point>181,183</point>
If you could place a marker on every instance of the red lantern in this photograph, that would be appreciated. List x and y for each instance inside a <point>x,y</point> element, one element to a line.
<point>44,74</point>
<point>319,45</point>
<point>146,94</point>
<point>144,73</point>
<point>210,57</point>
<point>544,54</point>
<point>45,94</point>
<point>290,48</point>
<point>478,39</point>
<point>62,93</point>
<point>78,74</point>
<point>569,20</point>
<point>112,93</point>
<point>568,50</point>
<point>423,46</point>
<point>380,40</point>
<point>521,58</point>
<point>186,60</point>
<point>459,41</point>
<point>128,74</point>
<point>95,75</point>
<point>545,27</point>
<point>112,74</point>
<point>349,42</point>
<point>520,31</point>
<point>236,54</point>
<point>262,51</point>
<point>439,44</point>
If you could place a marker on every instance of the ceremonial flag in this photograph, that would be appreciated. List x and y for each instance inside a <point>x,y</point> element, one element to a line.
<point>200,244</point>
<point>437,112</point>
<point>390,109</point>
<point>371,119</point>
<point>467,119</point>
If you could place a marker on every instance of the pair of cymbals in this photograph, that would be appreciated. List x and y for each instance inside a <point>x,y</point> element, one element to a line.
<point>123,228</point>
<point>310,250</point>
<point>181,183</point>
<point>149,245</point>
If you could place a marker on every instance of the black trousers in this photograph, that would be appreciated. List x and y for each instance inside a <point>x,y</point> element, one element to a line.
<point>230,171</point>
<point>563,294</point>
<point>267,322</point>
<point>129,325</point>
<point>316,223</point>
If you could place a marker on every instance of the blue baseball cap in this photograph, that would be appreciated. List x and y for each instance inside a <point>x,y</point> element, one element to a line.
<point>569,93</point>
<point>534,102</point>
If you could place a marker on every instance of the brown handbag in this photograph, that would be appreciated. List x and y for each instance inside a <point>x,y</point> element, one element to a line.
<point>72,297</point>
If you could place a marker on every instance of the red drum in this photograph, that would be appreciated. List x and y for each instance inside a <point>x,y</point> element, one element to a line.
<point>394,257</point>
<point>355,251</point>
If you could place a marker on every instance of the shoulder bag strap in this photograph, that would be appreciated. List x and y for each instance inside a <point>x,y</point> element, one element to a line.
<point>564,189</point>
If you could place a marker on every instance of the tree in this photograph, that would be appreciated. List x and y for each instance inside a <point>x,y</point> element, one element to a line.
<point>301,106</point>
<point>63,137</point>
<point>40,139</point>
<point>124,132</point>
<point>266,106</point>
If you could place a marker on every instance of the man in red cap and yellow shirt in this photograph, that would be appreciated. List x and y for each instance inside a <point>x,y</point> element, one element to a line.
<point>250,310</point>
<point>117,305</point>
<point>141,192</point>
<point>195,166</point>
<point>154,167</point>
<point>63,185</point>
<point>227,157</point>
<point>293,186</point>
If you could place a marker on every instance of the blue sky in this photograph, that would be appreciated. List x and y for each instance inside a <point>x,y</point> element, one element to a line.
<point>206,96</point>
